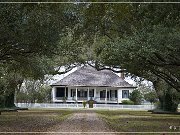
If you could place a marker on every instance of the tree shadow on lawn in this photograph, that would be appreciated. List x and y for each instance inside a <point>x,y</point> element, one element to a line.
<point>32,120</point>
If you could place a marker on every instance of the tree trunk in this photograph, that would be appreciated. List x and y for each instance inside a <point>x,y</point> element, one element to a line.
<point>160,93</point>
<point>171,100</point>
<point>10,93</point>
<point>168,97</point>
<point>2,104</point>
<point>9,99</point>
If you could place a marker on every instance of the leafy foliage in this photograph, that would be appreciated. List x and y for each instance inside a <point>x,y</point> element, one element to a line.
<point>127,102</point>
<point>151,97</point>
<point>147,46</point>
<point>38,39</point>
<point>136,97</point>
<point>171,100</point>
<point>30,39</point>
<point>34,91</point>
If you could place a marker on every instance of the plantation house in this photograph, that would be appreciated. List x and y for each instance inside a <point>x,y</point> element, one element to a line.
<point>87,83</point>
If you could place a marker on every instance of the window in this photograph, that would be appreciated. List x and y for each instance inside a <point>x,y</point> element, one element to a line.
<point>73,92</point>
<point>113,93</point>
<point>82,93</point>
<point>60,92</point>
<point>125,93</point>
<point>103,94</point>
<point>91,93</point>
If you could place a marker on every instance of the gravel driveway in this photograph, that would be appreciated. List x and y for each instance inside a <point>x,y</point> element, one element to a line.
<point>82,122</point>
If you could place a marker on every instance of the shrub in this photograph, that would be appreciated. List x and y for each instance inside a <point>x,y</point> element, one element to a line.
<point>127,102</point>
<point>151,97</point>
<point>90,102</point>
<point>84,103</point>
<point>157,105</point>
<point>136,97</point>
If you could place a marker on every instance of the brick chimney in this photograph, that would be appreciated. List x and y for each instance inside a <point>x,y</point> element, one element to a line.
<point>122,75</point>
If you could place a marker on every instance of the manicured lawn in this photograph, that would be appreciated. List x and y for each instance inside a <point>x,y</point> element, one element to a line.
<point>122,121</point>
<point>31,120</point>
<point>139,121</point>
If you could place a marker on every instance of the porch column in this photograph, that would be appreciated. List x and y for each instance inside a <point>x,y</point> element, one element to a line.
<point>88,94</point>
<point>94,93</point>
<point>109,94</point>
<point>65,92</point>
<point>76,93</point>
<point>106,97</point>
<point>69,93</point>
<point>119,95</point>
<point>54,93</point>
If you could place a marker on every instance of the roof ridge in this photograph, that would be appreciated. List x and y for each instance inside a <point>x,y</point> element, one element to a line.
<point>89,76</point>
<point>70,74</point>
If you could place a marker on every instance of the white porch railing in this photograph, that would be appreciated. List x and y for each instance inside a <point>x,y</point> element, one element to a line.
<point>80,99</point>
<point>96,106</point>
<point>130,107</point>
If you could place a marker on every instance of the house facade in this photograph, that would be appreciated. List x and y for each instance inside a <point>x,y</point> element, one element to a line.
<point>87,83</point>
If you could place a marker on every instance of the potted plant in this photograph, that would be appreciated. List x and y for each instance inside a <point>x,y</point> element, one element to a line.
<point>84,103</point>
<point>91,103</point>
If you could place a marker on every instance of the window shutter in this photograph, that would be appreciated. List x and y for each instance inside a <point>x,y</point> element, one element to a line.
<point>66,92</point>
<point>115,93</point>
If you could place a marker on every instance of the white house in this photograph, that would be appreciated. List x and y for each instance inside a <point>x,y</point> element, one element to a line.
<point>87,83</point>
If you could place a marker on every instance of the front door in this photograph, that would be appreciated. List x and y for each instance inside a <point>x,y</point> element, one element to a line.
<point>82,95</point>
<point>60,92</point>
<point>102,94</point>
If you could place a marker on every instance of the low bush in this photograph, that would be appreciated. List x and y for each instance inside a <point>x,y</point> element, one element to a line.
<point>127,102</point>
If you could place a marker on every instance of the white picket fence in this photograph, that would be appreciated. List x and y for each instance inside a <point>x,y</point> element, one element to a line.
<point>77,106</point>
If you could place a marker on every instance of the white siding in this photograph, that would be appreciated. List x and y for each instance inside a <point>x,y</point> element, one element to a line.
<point>120,99</point>
<point>53,94</point>
<point>98,89</point>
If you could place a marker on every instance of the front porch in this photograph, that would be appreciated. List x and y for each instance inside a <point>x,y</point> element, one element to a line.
<point>80,94</point>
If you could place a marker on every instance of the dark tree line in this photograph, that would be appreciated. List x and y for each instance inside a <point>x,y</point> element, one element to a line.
<point>142,39</point>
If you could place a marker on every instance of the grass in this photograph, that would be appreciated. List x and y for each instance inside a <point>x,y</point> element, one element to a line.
<point>32,120</point>
<point>139,121</point>
<point>122,121</point>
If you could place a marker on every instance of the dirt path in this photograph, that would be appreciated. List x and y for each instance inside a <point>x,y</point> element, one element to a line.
<point>82,122</point>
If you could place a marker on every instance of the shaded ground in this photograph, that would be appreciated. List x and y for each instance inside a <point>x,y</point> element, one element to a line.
<point>140,121</point>
<point>31,120</point>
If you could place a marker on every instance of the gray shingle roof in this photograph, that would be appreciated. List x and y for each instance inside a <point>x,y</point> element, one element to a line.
<point>89,76</point>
